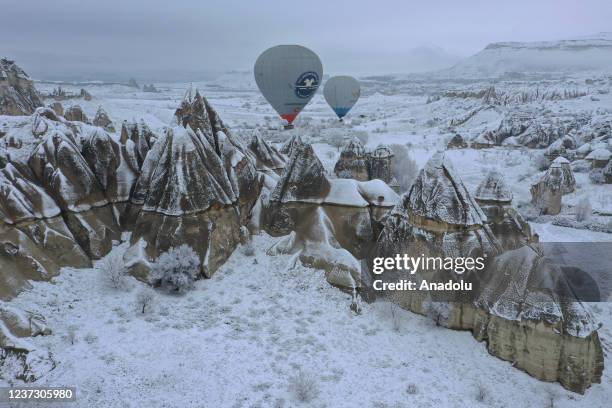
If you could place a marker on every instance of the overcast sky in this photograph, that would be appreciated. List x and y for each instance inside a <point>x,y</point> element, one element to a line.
<point>155,38</point>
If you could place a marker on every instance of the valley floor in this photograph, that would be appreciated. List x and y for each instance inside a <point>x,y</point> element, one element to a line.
<point>265,332</point>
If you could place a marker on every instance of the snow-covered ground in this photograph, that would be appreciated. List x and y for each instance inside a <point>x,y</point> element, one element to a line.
<point>241,338</point>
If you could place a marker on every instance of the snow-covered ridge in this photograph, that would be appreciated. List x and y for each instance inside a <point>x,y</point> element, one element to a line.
<point>593,53</point>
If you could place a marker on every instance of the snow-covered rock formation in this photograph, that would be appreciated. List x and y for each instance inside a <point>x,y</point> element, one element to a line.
<point>546,194</point>
<point>75,113</point>
<point>267,158</point>
<point>353,162</point>
<point>495,199</point>
<point>18,96</point>
<point>524,318</point>
<point>103,120</point>
<point>197,187</point>
<point>288,146</point>
<point>329,223</point>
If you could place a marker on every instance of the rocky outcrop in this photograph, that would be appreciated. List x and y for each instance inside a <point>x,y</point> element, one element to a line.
<point>353,162</point>
<point>535,321</point>
<point>18,96</point>
<point>520,304</point>
<point>495,199</point>
<point>599,158</point>
<point>288,146</point>
<point>608,173</point>
<point>103,120</point>
<point>140,136</point>
<point>456,142</point>
<point>558,180</point>
<point>267,158</point>
<point>197,186</point>
<point>380,166</point>
<point>58,108</point>
<point>75,114</point>
<point>330,223</point>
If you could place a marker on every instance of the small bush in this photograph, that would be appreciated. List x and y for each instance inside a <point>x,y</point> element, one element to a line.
<point>113,271</point>
<point>481,393</point>
<point>71,335</point>
<point>412,389</point>
<point>304,387</point>
<point>145,299</point>
<point>584,210</point>
<point>177,269</point>
<point>405,169</point>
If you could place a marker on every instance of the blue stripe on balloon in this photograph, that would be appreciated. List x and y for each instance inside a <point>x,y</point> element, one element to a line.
<point>341,112</point>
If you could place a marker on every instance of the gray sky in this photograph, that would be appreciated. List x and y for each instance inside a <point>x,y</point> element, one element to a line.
<point>189,38</point>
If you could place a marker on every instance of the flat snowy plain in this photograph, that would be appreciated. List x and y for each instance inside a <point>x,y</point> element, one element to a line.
<point>241,338</point>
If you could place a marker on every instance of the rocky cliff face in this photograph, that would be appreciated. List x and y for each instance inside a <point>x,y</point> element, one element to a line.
<point>17,93</point>
<point>521,305</point>
<point>353,162</point>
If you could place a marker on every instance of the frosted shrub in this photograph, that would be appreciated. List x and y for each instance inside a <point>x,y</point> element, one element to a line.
<point>177,269</point>
<point>584,210</point>
<point>412,389</point>
<point>304,387</point>
<point>145,299</point>
<point>114,271</point>
<point>481,393</point>
<point>405,169</point>
<point>71,335</point>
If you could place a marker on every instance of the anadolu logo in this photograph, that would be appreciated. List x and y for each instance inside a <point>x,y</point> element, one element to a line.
<point>306,84</point>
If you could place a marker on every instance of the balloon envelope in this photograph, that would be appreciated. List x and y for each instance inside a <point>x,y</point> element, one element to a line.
<point>288,76</point>
<point>341,93</point>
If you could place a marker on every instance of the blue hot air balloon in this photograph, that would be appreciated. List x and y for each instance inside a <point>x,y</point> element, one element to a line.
<point>341,93</point>
<point>288,76</point>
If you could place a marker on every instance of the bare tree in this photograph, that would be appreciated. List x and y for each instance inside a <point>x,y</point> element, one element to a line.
<point>145,299</point>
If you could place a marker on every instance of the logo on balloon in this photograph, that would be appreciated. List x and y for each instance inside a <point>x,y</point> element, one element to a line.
<point>306,84</point>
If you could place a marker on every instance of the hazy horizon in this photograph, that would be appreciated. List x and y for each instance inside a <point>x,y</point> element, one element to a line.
<point>158,40</point>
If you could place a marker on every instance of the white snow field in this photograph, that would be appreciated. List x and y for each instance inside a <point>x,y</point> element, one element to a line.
<point>265,332</point>
<point>242,338</point>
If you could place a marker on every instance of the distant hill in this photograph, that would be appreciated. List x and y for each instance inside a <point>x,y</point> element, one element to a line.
<point>593,53</point>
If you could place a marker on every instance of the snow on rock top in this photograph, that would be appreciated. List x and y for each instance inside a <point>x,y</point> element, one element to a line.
<point>438,194</point>
<point>17,93</point>
<point>267,157</point>
<point>304,177</point>
<point>494,188</point>
<point>182,174</point>
<point>290,144</point>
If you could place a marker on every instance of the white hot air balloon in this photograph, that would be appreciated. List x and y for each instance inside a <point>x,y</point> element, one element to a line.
<point>288,76</point>
<point>341,93</point>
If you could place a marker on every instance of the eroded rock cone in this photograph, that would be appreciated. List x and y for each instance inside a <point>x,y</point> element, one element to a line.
<point>608,173</point>
<point>495,199</point>
<point>103,120</point>
<point>288,146</point>
<point>76,114</point>
<point>331,223</point>
<point>184,196</point>
<point>353,162</point>
<point>64,173</point>
<point>546,194</point>
<point>141,137</point>
<point>267,158</point>
<point>35,241</point>
<point>18,96</point>
<point>380,166</point>
<point>524,293</point>
<point>518,291</point>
